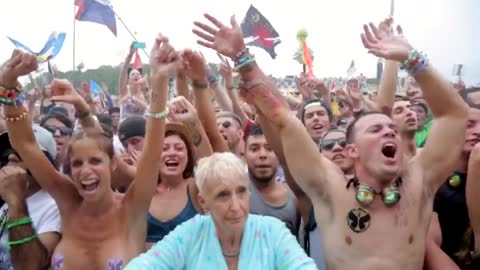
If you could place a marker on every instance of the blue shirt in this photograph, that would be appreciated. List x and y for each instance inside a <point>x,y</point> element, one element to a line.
<point>266,244</point>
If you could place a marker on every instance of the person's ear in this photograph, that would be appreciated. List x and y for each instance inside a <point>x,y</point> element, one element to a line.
<point>352,151</point>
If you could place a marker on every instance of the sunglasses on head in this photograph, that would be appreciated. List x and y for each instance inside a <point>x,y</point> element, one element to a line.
<point>226,124</point>
<point>64,131</point>
<point>328,145</point>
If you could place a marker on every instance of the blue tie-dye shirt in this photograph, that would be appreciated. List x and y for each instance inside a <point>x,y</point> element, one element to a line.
<point>266,244</point>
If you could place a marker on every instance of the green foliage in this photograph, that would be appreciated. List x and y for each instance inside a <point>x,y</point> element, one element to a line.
<point>108,74</point>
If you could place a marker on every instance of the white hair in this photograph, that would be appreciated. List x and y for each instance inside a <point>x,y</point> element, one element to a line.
<point>223,166</point>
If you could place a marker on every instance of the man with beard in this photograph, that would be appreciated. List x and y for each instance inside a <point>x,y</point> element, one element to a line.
<point>230,126</point>
<point>268,197</point>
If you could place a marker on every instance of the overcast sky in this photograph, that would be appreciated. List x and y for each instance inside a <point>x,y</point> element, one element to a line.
<point>447,30</point>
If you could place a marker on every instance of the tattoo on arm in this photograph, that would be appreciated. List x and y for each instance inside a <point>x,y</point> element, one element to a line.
<point>154,97</point>
<point>196,136</point>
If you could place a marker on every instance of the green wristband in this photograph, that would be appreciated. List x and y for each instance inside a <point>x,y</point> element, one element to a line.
<point>22,241</point>
<point>15,223</point>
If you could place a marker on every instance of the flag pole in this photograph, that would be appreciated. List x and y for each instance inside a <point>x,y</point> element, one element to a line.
<point>74,26</point>
<point>130,32</point>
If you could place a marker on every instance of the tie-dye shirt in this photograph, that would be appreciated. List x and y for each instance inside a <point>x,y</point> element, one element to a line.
<point>266,244</point>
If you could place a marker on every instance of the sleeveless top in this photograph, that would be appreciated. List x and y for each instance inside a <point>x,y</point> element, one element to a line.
<point>287,212</point>
<point>313,242</point>
<point>156,229</point>
<point>45,109</point>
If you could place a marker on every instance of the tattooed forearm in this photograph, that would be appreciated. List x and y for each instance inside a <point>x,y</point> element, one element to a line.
<point>196,135</point>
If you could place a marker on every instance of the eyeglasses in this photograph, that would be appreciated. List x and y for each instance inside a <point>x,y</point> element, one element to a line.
<point>226,124</point>
<point>64,131</point>
<point>328,145</point>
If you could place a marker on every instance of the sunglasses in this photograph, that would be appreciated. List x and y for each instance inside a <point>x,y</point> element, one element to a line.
<point>328,145</point>
<point>64,131</point>
<point>226,124</point>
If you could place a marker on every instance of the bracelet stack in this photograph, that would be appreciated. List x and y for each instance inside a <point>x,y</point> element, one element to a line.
<point>22,116</point>
<point>16,223</point>
<point>243,60</point>
<point>416,62</point>
<point>12,96</point>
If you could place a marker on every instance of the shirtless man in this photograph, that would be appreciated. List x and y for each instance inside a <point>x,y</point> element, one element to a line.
<point>357,236</point>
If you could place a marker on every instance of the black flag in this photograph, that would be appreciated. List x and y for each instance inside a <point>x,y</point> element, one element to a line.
<point>256,26</point>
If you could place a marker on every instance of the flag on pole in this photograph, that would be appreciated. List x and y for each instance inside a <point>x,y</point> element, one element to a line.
<point>97,11</point>
<point>351,69</point>
<point>52,70</point>
<point>51,48</point>
<point>306,55</point>
<point>137,63</point>
<point>255,26</point>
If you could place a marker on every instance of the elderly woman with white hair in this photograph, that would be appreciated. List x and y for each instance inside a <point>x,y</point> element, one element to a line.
<point>229,237</point>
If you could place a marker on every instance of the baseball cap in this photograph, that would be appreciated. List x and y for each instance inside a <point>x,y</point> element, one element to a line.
<point>43,137</point>
<point>132,126</point>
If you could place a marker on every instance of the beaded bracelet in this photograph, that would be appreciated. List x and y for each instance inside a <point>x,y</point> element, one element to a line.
<point>21,241</point>
<point>15,223</point>
<point>12,119</point>
<point>158,115</point>
<point>416,62</point>
<point>11,96</point>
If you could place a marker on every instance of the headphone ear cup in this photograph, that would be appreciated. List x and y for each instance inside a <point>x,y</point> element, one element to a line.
<point>365,194</point>
<point>391,195</point>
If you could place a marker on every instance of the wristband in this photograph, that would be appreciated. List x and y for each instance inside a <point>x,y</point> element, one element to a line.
<point>15,223</point>
<point>158,115</point>
<point>416,62</point>
<point>240,54</point>
<point>22,241</point>
<point>12,96</point>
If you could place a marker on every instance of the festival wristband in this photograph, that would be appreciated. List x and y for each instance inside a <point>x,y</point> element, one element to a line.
<point>22,241</point>
<point>15,223</point>
<point>12,96</point>
<point>158,115</point>
<point>416,62</point>
<point>240,54</point>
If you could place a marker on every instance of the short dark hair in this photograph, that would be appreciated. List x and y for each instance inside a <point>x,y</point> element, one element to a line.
<point>351,128</point>
<point>105,119</point>
<point>114,110</point>
<point>64,119</point>
<point>302,110</point>
<point>255,130</point>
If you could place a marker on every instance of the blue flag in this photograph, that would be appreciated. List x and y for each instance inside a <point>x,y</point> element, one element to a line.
<point>51,48</point>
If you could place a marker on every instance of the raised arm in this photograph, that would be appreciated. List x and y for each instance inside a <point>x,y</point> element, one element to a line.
<point>182,84</point>
<point>22,138</point>
<point>309,168</point>
<point>226,73</point>
<point>163,61</point>
<point>443,148</point>
<point>473,194</point>
<point>197,72</point>
<point>183,111</point>
<point>122,84</point>
<point>63,91</point>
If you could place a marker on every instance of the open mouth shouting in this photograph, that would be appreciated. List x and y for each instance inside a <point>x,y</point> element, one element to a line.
<point>389,151</point>
<point>89,185</point>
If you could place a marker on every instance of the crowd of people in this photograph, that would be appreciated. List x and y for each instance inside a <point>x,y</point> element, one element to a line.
<point>241,177</point>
